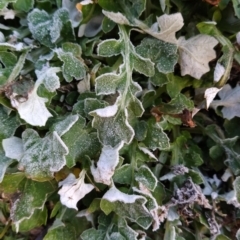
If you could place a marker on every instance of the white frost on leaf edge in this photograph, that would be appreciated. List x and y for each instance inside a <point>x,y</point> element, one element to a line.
<point>159,213</point>
<point>13,147</point>
<point>106,164</point>
<point>108,111</point>
<point>114,195</point>
<point>73,189</point>
<point>148,152</point>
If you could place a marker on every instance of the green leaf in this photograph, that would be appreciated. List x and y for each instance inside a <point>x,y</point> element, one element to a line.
<point>10,72</point>
<point>123,175</point>
<point>159,79</point>
<point>145,176</point>
<point>107,25</point>
<point>92,233</point>
<point>11,182</point>
<point>176,84</point>
<point>108,121</point>
<point>4,3</point>
<point>42,156</point>
<point>126,206</point>
<point>156,138</point>
<point>33,196</point>
<point>38,218</point>
<point>221,237</point>
<point>72,66</point>
<point>91,104</point>
<point>63,124</point>
<point>170,232</point>
<point>23,5</point>
<point>176,105</point>
<point>232,157</point>
<point>163,54</point>
<point>80,143</point>
<point>236,6</point>
<point>110,47</point>
<point>8,60</point>
<point>69,229</point>
<point>8,124</point>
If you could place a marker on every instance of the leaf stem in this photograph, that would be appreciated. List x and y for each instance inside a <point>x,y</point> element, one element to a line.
<point>162,160</point>
<point>2,234</point>
<point>175,149</point>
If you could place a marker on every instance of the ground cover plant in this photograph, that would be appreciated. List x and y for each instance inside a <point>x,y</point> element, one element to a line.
<point>119,119</point>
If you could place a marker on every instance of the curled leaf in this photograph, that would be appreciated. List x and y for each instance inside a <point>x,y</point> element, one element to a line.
<point>73,189</point>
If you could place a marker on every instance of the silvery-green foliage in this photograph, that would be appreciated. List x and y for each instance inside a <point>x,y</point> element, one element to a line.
<point>119,120</point>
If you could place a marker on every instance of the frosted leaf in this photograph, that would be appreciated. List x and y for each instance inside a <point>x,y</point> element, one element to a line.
<point>73,189</point>
<point>106,164</point>
<point>163,54</point>
<point>218,72</point>
<point>48,29</point>
<point>42,156</point>
<point>13,147</point>
<point>108,111</point>
<point>156,138</point>
<point>113,195</point>
<point>238,38</point>
<point>60,25</point>
<point>114,129</point>
<point>210,94</point>
<point>33,110</point>
<point>145,176</point>
<point>4,163</point>
<point>159,214</point>
<point>49,77</point>
<point>72,66</point>
<point>127,206</point>
<point>80,143</point>
<point>169,25</point>
<point>63,126</point>
<point>195,54</point>
<point>116,17</point>
<point>110,47</point>
<point>229,100</point>
<point>33,196</point>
